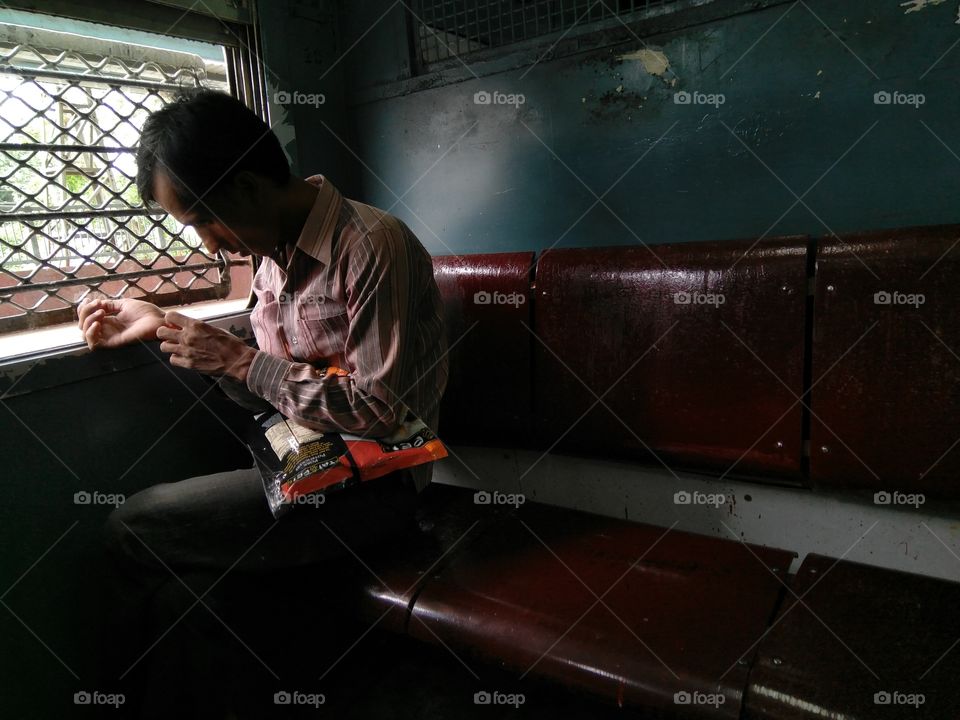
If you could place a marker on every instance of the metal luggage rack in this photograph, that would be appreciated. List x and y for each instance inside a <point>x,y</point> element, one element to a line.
<point>457,28</point>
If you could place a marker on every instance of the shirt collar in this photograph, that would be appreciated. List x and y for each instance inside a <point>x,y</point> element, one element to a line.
<point>316,238</point>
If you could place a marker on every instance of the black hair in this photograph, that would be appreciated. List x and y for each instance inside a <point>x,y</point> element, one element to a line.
<point>203,138</point>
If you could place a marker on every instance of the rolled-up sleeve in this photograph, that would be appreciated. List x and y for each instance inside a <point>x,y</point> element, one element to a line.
<point>380,347</point>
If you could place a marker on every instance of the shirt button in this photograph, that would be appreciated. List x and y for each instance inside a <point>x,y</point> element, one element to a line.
<point>294,341</point>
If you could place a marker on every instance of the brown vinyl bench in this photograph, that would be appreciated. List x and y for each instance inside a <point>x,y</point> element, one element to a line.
<point>710,350</point>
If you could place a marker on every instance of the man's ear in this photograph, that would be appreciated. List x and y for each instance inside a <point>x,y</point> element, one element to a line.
<point>248,188</point>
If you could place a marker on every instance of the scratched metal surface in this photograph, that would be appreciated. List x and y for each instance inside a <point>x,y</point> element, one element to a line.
<point>487,308</point>
<point>859,631</point>
<point>678,610</point>
<point>886,393</point>
<point>691,353</point>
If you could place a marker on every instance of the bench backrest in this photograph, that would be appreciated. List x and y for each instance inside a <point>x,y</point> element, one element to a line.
<point>778,358</point>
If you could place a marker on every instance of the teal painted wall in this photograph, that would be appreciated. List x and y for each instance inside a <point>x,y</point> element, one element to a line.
<point>303,59</point>
<point>799,119</point>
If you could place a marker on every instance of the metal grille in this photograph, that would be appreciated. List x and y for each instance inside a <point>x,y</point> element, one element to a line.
<point>454,28</point>
<point>71,219</point>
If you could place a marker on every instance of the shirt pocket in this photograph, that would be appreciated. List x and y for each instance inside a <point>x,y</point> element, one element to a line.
<point>324,327</point>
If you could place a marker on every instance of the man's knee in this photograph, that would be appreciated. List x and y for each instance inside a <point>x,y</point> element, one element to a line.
<point>129,527</point>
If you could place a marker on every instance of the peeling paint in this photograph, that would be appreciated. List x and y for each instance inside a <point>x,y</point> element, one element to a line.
<point>654,62</point>
<point>918,5</point>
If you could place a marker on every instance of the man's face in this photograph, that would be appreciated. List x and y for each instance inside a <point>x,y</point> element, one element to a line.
<point>221,219</point>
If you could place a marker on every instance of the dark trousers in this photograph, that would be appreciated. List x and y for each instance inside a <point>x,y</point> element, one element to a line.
<point>204,581</point>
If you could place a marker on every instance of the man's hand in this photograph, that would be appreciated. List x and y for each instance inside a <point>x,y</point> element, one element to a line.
<point>199,346</point>
<point>112,323</point>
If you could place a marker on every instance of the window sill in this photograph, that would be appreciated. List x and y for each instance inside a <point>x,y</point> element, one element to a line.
<point>63,337</point>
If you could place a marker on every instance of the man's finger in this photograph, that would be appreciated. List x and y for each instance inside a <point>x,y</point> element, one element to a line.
<point>85,309</point>
<point>169,347</point>
<point>110,307</point>
<point>172,317</point>
<point>168,333</point>
<point>92,335</point>
<point>93,317</point>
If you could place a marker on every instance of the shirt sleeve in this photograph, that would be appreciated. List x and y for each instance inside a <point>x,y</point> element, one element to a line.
<point>380,349</point>
<point>241,395</point>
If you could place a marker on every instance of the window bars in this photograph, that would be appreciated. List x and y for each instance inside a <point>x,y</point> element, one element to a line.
<point>71,219</point>
<point>455,28</point>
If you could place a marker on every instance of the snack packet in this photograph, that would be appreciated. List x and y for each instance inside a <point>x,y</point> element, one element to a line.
<point>299,465</point>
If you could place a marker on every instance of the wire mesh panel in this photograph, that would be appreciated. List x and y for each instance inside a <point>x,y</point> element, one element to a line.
<point>71,219</point>
<point>454,28</point>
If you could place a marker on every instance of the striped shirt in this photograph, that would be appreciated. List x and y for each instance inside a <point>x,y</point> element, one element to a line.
<point>357,292</point>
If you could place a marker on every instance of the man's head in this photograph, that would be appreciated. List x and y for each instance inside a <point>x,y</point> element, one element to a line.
<point>213,164</point>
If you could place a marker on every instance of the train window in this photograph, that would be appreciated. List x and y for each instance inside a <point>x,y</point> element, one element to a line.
<point>72,108</point>
<point>456,28</point>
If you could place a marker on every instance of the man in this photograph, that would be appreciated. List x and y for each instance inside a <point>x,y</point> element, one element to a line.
<point>341,283</point>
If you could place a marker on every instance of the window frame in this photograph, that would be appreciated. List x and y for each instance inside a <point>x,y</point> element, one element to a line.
<point>234,27</point>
